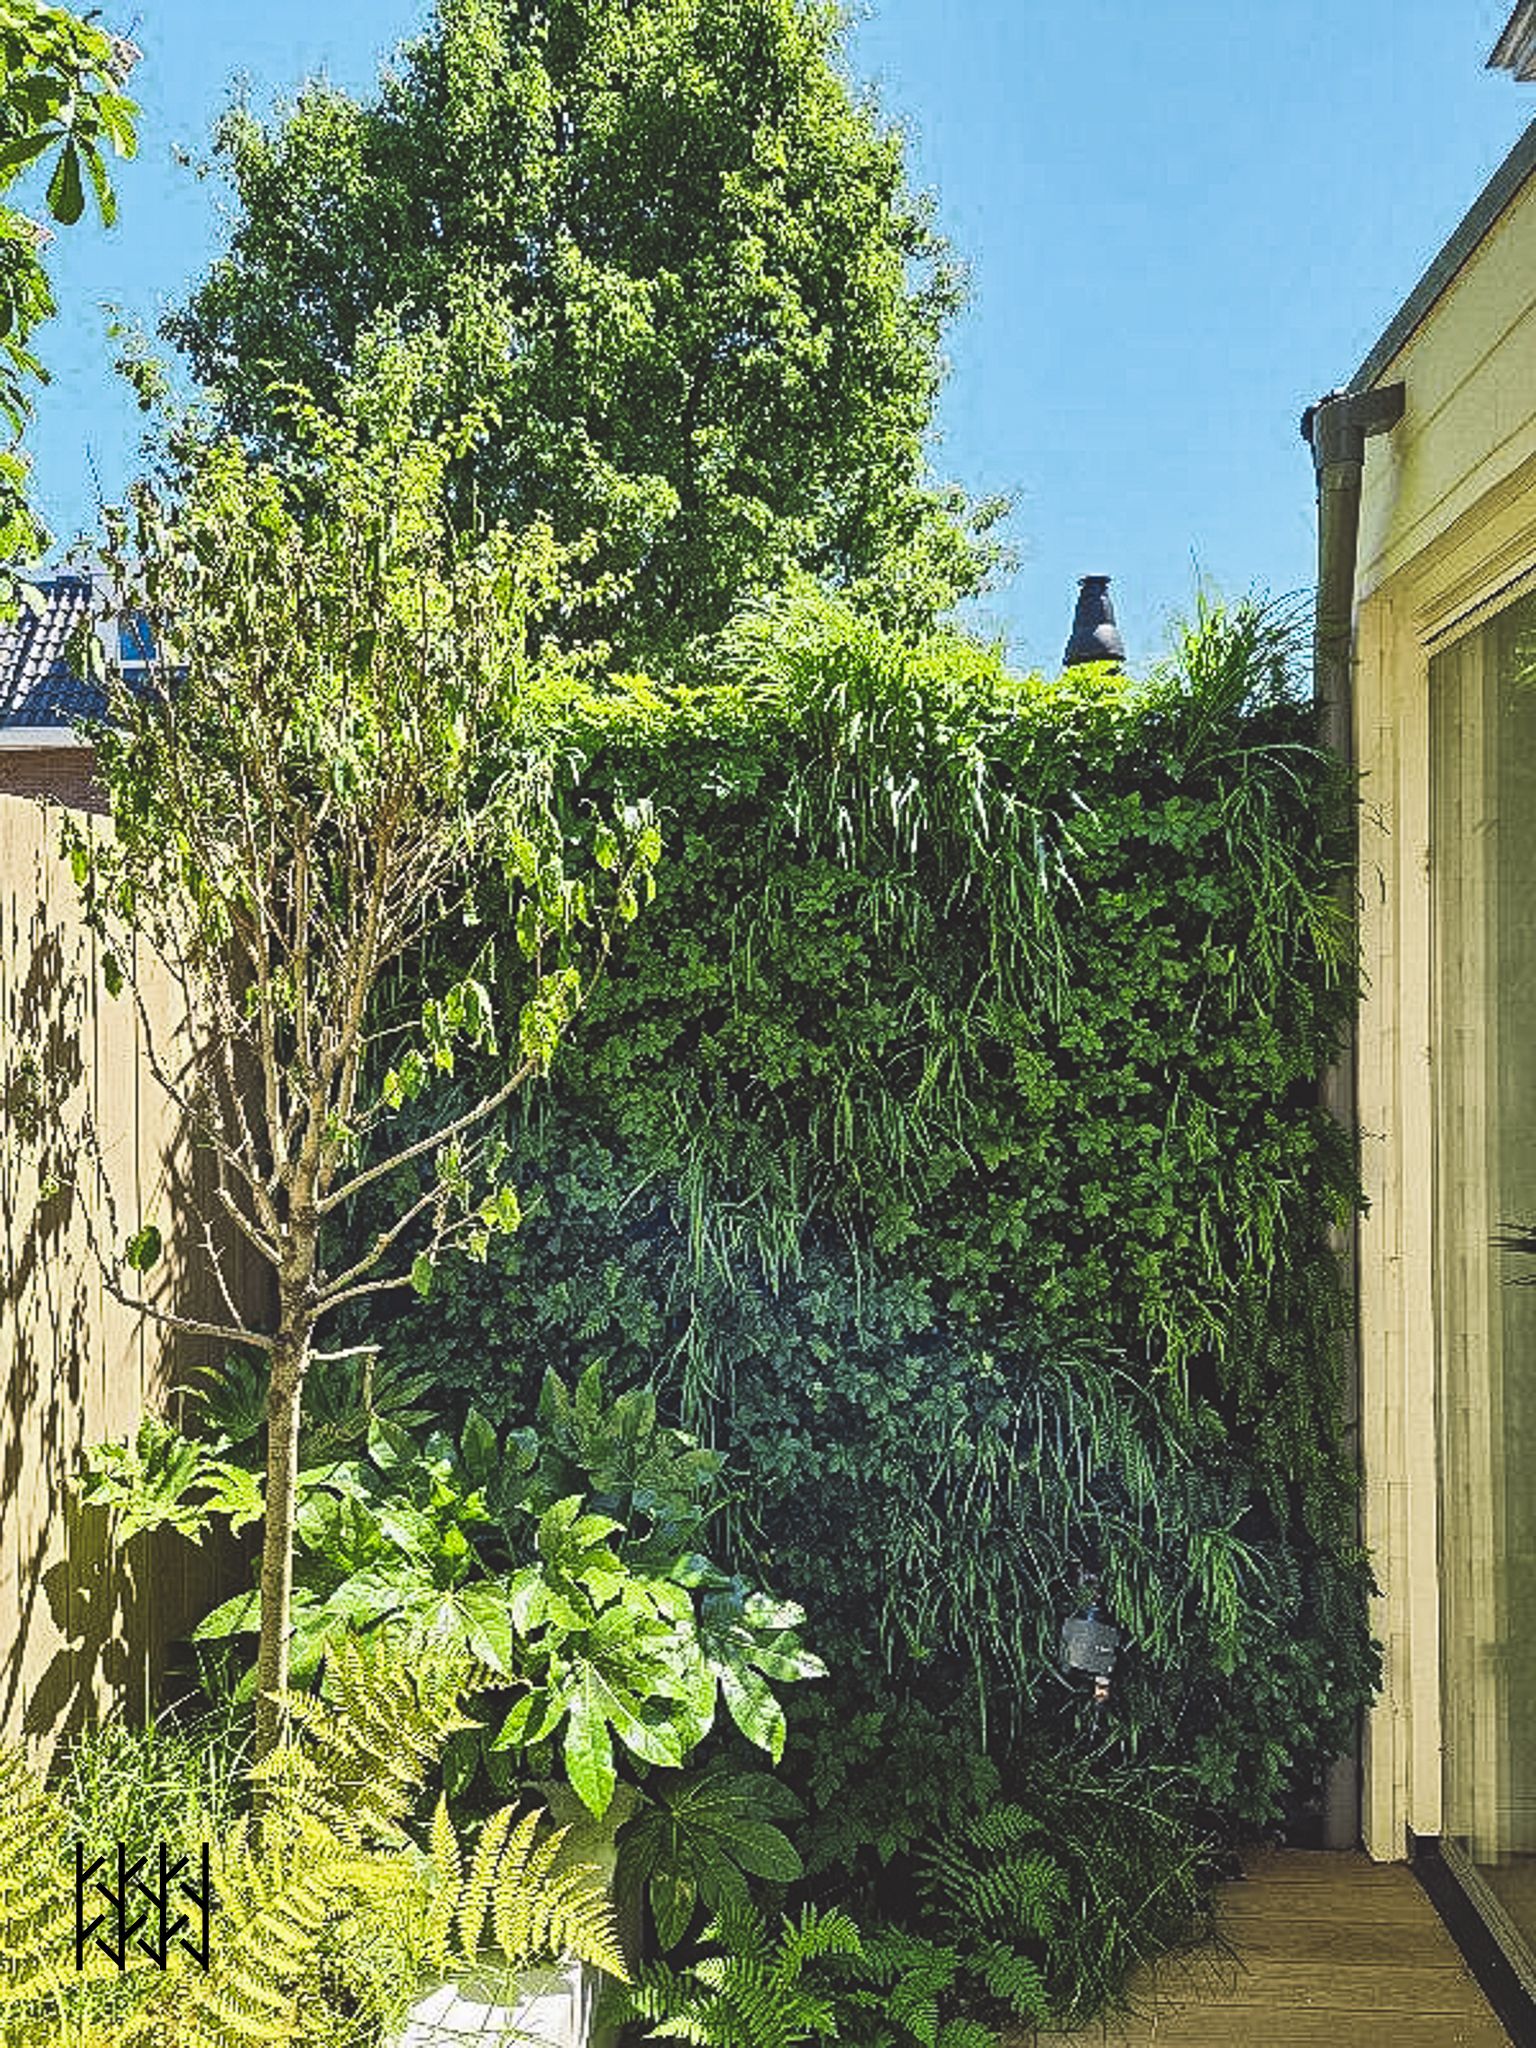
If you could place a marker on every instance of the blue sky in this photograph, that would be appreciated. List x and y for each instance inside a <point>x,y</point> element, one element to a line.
<point>1183,221</point>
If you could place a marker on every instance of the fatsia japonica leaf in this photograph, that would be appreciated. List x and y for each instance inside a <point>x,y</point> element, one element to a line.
<point>696,1837</point>
<point>161,1477</point>
<point>744,1647</point>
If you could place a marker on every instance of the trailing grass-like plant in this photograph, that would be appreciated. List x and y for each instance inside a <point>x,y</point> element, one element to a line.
<point>182,1780</point>
<point>1132,1874</point>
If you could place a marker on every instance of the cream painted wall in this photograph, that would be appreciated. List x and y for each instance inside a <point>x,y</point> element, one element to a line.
<point>1469,421</point>
<point>1448,533</point>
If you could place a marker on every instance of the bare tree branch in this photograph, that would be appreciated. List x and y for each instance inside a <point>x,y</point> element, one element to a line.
<point>487,1106</point>
<point>110,1272</point>
<point>215,1260</point>
<point>370,1287</point>
<point>265,1246</point>
<point>381,1245</point>
<point>189,1326</point>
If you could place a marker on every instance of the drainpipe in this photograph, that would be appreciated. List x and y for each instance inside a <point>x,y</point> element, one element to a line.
<point>1336,430</point>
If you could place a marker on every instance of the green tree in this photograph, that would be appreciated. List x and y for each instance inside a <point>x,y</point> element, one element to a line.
<point>336,744</point>
<point>61,98</point>
<point>683,267</point>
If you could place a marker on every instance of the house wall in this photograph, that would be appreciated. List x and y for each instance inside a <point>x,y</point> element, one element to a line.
<point>1448,534</point>
<point>80,1628</point>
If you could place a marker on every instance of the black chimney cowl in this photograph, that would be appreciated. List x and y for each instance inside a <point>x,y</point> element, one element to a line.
<point>1095,636</point>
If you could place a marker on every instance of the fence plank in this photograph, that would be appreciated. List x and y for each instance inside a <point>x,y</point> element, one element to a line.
<point>81,1630</point>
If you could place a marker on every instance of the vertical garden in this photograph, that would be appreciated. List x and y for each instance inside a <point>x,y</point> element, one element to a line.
<point>922,1243</point>
<point>943,1147</point>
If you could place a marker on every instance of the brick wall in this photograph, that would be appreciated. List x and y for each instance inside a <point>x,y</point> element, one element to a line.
<point>64,773</point>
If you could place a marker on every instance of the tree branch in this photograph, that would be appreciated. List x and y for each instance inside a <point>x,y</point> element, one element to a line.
<point>245,1226</point>
<point>216,1261</point>
<point>367,1287</point>
<point>383,1242</point>
<point>189,1326</point>
<point>487,1106</point>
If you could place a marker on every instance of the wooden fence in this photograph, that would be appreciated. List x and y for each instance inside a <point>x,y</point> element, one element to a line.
<point>82,1628</point>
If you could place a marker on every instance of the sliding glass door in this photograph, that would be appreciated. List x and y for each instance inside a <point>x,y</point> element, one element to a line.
<point>1483,865</point>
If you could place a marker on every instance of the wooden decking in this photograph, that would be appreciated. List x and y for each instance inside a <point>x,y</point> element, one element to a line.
<point>1326,1951</point>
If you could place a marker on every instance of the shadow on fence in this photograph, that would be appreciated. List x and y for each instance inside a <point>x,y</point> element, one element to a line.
<point>83,1630</point>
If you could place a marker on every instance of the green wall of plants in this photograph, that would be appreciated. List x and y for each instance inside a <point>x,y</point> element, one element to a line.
<point>944,1143</point>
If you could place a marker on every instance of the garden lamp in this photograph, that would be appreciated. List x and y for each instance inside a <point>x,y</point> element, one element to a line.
<point>1089,1645</point>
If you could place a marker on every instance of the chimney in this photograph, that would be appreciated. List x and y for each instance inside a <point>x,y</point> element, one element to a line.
<point>1095,636</point>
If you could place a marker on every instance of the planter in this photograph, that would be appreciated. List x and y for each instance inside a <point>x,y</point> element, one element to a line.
<point>486,2009</point>
<point>554,2006</point>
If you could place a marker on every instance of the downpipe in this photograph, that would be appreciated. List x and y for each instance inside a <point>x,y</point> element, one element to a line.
<point>1336,429</point>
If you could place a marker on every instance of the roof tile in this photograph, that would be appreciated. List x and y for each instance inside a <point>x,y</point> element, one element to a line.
<point>37,685</point>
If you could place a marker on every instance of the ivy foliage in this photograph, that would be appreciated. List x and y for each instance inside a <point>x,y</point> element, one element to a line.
<point>947,1145</point>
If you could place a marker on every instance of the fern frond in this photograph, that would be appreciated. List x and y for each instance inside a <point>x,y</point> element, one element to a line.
<point>37,1908</point>
<point>474,1903</point>
<point>36,1902</point>
<point>446,1881</point>
<point>356,1759</point>
<point>749,1993</point>
<point>333,1877</point>
<point>816,1934</point>
<point>985,1880</point>
<point>966,2034</point>
<point>1015,1979</point>
<point>1001,1827</point>
<point>275,1904</point>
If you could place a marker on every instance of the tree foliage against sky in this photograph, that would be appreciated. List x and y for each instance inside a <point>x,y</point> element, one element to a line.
<point>61,99</point>
<point>681,263</point>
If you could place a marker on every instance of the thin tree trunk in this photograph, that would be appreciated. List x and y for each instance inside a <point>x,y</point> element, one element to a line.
<point>285,1391</point>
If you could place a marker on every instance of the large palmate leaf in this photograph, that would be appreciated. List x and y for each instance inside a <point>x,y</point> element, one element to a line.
<point>162,1477</point>
<point>748,1638</point>
<point>698,1837</point>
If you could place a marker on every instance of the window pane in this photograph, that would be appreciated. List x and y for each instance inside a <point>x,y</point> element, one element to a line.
<point>1483,859</point>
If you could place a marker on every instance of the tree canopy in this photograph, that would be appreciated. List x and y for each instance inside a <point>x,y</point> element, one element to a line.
<point>680,263</point>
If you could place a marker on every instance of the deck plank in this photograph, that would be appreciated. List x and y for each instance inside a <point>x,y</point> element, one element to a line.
<point>1317,1950</point>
